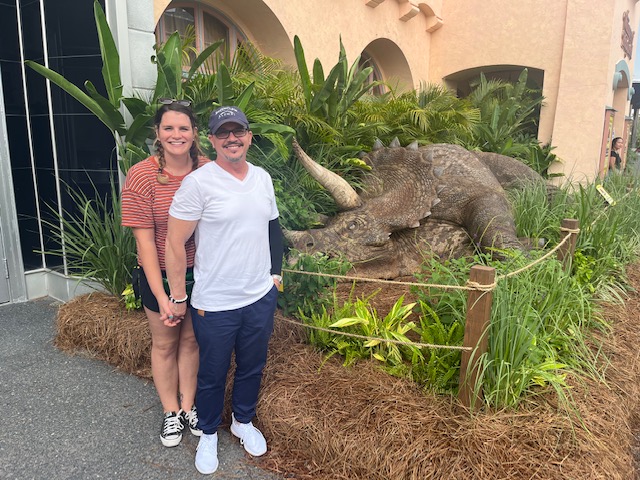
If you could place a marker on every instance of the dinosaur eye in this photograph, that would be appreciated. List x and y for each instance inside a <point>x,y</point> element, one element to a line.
<point>352,225</point>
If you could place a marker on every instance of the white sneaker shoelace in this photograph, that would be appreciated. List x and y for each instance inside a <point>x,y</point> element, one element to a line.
<point>191,420</point>
<point>171,429</point>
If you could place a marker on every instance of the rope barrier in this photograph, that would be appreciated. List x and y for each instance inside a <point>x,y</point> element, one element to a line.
<point>377,280</point>
<point>544,257</point>
<point>365,337</point>
<point>472,286</point>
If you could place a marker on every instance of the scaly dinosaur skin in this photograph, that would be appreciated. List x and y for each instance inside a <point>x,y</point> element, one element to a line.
<point>437,200</point>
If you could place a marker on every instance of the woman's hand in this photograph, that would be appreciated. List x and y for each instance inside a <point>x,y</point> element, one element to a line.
<point>171,314</point>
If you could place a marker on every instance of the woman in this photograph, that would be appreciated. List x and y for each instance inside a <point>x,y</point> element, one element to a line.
<point>615,159</point>
<point>146,198</point>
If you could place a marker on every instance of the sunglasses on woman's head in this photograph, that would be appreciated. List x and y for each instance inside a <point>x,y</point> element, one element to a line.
<point>169,101</point>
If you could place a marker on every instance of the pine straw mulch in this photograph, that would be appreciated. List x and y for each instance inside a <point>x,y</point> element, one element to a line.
<point>324,421</point>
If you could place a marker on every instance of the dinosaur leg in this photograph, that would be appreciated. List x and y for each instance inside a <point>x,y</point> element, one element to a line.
<point>489,220</point>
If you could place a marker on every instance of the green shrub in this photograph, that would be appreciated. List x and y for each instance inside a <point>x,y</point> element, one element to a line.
<point>303,294</point>
<point>95,245</point>
<point>439,369</point>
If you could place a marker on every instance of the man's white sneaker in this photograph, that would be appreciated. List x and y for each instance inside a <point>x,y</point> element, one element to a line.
<point>250,437</point>
<point>207,454</point>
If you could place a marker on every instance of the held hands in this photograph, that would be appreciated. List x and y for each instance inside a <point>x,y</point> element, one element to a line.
<point>171,313</point>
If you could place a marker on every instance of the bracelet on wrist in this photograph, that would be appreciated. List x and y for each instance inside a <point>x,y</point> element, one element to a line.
<point>173,300</point>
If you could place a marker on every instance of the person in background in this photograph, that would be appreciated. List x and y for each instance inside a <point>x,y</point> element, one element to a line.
<point>231,206</point>
<point>146,198</point>
<point>615,159</point>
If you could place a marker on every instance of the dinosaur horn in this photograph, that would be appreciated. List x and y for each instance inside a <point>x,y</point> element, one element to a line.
<point>345,196</point>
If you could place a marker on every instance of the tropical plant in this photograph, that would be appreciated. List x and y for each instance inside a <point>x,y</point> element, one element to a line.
<point>439,369</point>
<point>133,138</point>
<point>507,116</point>
<point>332,97</point>
<point>540,158</point>
<point>364,320</point>
<point>538,210</point>
<point>305,293</point>
<point>360,318</point>
<point>431,114</point>
<point>131,301</point>
<point>96,246</point>
<point>540,323</point>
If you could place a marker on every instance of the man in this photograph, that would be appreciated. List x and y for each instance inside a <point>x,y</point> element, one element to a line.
<point>231,206</point>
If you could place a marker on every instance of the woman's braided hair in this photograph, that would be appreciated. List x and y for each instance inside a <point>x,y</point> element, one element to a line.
<point>194,152</point>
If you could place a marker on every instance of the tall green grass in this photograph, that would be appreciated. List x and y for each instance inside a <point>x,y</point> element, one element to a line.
<point>540,325</point>
<point>96,246</point>
<point>545,321</point>
<point>540,321</point>
<point>608,238</point>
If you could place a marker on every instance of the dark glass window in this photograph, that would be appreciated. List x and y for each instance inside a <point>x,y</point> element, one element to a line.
<point>27,218</point>
<point>71,28</point>
<point>81,143</point>
<point>9,48</point>
<point>12,87</point>
<point>18,142</point>
<point>32,31</point>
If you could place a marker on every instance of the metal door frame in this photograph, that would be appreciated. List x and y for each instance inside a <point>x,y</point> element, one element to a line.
<point>11,266</point>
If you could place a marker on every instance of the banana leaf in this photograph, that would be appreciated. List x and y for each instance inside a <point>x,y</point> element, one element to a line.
<point>140,129</point>
<point>305,80</point>
<point>268,128</point>
<point>135,106</point>
<point>320,99</point>
<point>202,57</point>
<point>224,86</point>
<point>245,96</point>
<point>110,57</point>
<point>111,117</point>
<point>169,63</point>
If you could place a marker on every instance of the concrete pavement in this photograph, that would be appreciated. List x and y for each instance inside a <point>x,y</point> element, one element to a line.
<point>73,417</point>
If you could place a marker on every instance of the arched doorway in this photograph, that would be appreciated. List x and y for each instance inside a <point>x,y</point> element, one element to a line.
<point>234,21</point>
<point>389,63</point>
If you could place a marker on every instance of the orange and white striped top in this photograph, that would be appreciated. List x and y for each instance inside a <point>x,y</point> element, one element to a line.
<point>146,202</point>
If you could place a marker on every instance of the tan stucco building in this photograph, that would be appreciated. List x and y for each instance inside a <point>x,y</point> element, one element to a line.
<point>579,52</point>
<point>574,50</point>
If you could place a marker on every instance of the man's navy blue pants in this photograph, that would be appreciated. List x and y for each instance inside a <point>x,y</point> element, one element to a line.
<point>247,331</point>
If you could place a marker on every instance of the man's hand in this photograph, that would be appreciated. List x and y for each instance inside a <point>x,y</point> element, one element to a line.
<point>171,314</point>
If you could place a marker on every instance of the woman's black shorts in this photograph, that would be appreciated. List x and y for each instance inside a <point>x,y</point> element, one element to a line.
<point>143,291</point>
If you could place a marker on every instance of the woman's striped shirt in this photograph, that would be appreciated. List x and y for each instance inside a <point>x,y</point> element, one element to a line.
<point>146,202</point>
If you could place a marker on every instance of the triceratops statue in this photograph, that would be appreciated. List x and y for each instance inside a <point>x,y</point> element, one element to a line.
<point>416,202</point>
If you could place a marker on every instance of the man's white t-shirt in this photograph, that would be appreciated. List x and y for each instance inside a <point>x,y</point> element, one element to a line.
<point>232,266</point>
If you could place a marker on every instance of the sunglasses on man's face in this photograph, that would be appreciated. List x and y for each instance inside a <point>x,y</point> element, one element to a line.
<point>237,132</point>
<point>169,101</point>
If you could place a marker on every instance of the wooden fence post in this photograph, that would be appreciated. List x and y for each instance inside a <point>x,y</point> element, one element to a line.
<point>475,333</point>
<point>566,251</point>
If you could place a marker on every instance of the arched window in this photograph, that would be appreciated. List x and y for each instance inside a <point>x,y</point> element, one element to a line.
<point>209,25</point>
